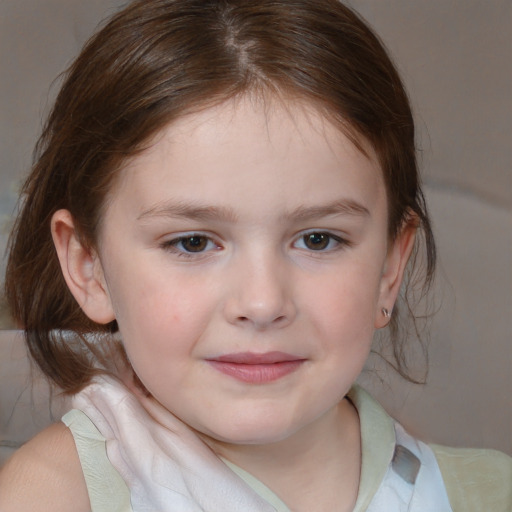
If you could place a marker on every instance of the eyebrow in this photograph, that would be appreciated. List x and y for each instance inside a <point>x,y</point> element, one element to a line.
<point>189,211</point>
<point>341,207</point>
<point>225,214</point>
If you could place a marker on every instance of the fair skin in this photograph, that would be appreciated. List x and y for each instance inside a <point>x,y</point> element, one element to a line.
<point>254,234</point>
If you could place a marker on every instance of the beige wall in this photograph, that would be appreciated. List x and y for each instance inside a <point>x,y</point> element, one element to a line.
<point>456,58</point>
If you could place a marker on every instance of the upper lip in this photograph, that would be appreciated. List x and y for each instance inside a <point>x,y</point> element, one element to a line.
<point>256,358</point>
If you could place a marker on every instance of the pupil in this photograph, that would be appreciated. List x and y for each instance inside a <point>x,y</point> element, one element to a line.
<point>194,243</point>
<point>317,241</point>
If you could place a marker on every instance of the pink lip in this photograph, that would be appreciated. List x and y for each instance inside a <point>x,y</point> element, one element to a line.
<point>256,368</point>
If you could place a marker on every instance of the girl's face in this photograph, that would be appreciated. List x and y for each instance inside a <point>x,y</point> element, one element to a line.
<point>244,256</point>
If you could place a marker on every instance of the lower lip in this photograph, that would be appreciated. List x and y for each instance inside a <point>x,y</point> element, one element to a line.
<point>257,373</point>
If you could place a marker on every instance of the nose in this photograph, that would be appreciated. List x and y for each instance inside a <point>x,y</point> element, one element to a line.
<point>260,294</point>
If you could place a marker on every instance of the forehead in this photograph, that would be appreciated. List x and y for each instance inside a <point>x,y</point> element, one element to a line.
<point>264,145</point>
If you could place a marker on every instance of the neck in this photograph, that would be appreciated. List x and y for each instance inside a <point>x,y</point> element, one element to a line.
<point>327,452</point>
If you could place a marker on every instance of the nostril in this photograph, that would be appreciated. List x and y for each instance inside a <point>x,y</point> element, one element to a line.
<point>278,320</point>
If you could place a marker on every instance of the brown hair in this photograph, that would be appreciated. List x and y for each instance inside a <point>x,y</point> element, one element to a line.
<point>156,60</point>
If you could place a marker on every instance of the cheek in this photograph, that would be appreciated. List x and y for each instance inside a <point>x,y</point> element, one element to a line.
<point>343,315</point>
<point>347,297</point>
<point>152,298</point>
<point>161,320</point>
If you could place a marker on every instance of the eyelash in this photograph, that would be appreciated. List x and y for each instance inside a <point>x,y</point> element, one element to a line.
<point>174,245</point>
<point>338,241</point>
<point>327,242</point>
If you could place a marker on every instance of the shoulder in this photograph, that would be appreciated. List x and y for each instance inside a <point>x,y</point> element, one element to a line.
<point>46,474</point>
<point>476,479</point>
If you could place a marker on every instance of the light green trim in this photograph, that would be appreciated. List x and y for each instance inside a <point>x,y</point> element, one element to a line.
<point>107,490</point>
<point>476,480</point>
<point>258,486</point>
<point>377,445</point>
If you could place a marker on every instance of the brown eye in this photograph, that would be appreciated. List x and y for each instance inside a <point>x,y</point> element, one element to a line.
<point>195,243</point>
<point>317,241</point>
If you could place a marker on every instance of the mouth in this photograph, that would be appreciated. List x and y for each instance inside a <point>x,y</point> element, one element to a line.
<point>256,368</point>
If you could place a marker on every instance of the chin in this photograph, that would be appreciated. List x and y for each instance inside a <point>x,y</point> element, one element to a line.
<point>248,439</point>
<point>251,433</point>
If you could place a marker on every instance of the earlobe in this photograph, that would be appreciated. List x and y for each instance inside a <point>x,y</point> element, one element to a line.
<point>82,269</point>
<point>393,273</point>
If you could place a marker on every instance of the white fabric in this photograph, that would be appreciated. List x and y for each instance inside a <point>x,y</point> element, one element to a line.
<point>166,466</point>
<point>426,494</point>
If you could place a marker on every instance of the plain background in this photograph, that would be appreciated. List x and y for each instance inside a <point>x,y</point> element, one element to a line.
<point>456,60</point>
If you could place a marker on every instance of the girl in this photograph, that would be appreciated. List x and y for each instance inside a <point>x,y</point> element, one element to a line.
<point>221,214</point>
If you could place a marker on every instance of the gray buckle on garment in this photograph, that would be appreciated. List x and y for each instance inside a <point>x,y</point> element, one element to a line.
<point>405,464</point>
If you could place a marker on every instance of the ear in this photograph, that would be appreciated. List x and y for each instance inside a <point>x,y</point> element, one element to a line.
<point>397,257</point>
<point>82,270</point>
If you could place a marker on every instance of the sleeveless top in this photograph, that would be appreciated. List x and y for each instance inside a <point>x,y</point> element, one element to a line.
<point>132,463</point>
